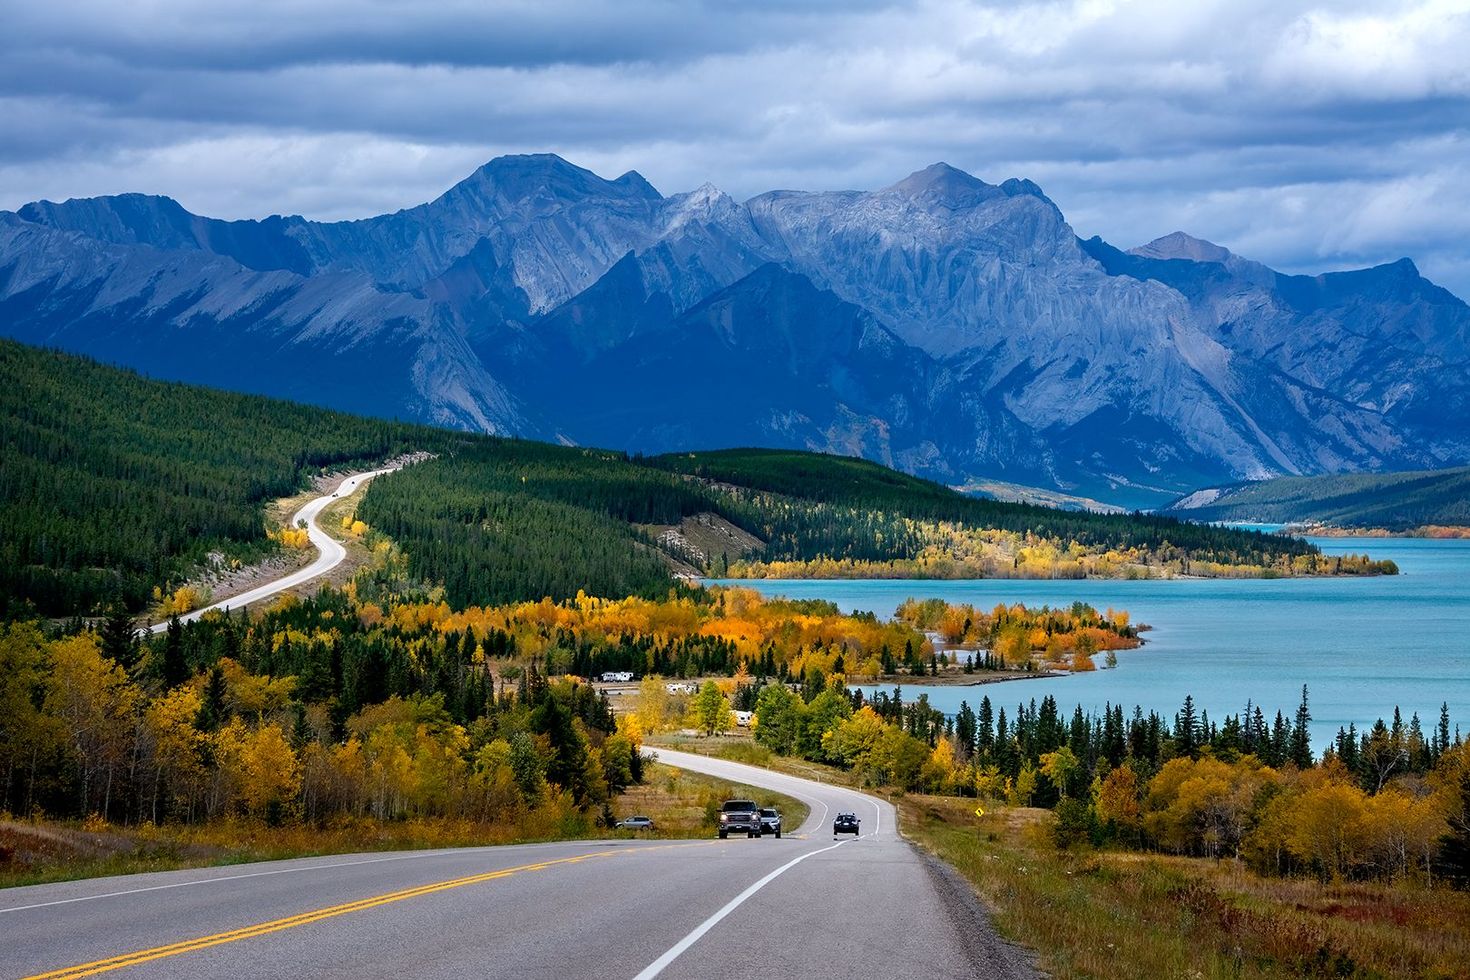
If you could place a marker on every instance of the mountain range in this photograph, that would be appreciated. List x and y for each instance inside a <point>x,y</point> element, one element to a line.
<point>950,327</point>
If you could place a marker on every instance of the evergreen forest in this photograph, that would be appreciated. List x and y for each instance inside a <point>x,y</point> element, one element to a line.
<point>115,484</point>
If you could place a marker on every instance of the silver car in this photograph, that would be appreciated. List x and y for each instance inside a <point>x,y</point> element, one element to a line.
<point>635,823</point>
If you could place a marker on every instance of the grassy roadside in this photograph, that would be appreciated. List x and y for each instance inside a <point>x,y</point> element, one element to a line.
<point>1119,915</point>
<point>685,804</point>
<point>682,804</point>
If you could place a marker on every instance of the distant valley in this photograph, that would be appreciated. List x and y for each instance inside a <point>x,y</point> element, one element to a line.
<point>1426,502</point>
<point>949,327</point>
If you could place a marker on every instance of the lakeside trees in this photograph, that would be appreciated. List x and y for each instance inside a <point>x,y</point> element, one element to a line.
<point>1015,635</point>
<point>852,511</point>
<point>366,703</point>
<point>383,700</point>
<point>1241,789</point>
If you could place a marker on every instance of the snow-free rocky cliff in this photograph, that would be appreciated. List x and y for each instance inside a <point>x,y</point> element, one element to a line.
<point>951,327</point>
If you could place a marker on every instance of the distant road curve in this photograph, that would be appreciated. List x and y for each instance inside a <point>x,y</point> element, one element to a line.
<point>330,552</point>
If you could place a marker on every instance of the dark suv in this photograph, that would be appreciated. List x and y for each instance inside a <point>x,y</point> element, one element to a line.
<point>740,816</point>
<point>846,823</point>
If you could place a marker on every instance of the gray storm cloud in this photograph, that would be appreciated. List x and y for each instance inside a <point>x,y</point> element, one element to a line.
<point>1309,136</point>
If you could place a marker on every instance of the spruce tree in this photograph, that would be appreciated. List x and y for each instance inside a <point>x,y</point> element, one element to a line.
<point>1442,733</point>
<point>174,668</point>
<point>1300,749</point>
<point>985,736</point>
<point>1186,728</point>
<point>1280,741</point>
<point>212,708</point>
<point>965,725</point>
<point>119,638</point>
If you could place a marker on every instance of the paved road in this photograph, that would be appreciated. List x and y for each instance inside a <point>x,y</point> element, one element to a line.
<point>330,552</point>
<point>803,906</point>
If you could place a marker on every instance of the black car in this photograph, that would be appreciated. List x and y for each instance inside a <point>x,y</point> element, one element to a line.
<point>771,821</point>
<point>846,823</point>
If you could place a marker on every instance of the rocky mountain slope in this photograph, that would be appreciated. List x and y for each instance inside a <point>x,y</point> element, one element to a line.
<point>952,327</point>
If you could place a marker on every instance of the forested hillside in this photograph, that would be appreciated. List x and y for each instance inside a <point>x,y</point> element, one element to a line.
<point>505,520</point>
<point>113,483</point>
<point>809,506</point>
<point>1393,501</point>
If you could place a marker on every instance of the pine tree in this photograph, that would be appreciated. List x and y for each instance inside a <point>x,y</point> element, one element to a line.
<point>212,708</point>
<point>1347,747</point>
<point>1280,741</point>
<point>119,638</point>
<point>1186,728</point>
<point>985,736</point>
<point>1300,749</point>
<point>965,729</point>
<point>174,669</point>
<point>1442,733</point>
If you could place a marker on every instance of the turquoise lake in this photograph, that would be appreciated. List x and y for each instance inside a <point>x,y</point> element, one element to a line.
<point>1362,646</point>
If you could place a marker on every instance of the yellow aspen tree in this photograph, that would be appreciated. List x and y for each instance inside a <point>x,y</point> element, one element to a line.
<point>270,771</point>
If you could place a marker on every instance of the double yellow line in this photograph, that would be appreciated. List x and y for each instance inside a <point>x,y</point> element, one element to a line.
<point>305,918</point>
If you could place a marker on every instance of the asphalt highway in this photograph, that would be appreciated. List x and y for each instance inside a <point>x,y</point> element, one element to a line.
<point>807,905</point>
<point>329,552</point>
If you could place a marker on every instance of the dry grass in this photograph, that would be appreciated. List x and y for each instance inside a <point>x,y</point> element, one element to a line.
<point>34,853</point>
<point>685,804</point>
<point>681,804</point>
<point>1125,915</point>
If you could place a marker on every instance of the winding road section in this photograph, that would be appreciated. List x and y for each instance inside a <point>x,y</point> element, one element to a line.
<point>330,552</point>
<point>803,906</point>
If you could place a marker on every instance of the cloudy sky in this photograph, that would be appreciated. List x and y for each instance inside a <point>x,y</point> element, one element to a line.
<point>1313,136</point>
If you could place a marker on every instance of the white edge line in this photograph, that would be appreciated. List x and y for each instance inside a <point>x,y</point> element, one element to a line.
<point>659,965</point>
<point>275,871</point>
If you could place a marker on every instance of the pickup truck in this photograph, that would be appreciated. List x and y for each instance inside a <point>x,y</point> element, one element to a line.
<point>740,816</point>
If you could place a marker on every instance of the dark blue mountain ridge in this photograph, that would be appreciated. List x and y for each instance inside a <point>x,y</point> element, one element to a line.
<point>953,327</point>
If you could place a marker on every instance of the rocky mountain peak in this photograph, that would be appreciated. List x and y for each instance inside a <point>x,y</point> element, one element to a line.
<point>704,198</point>
<point>530,176</point>
<point>940,180</point>
<point>1017,186</point>
<point>952,326</point>
<point>1178,245</point>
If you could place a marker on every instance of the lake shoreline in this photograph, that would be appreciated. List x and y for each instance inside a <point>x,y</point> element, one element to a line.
<point>1362,645</point>
<point>1429,532</point>
<point>976,679</point>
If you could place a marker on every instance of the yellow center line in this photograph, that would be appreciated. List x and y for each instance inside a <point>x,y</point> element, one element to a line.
<point>305,918</point>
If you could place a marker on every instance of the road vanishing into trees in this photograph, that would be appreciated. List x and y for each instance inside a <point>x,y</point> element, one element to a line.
<point>807,905</point>
<point>330,552</point>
